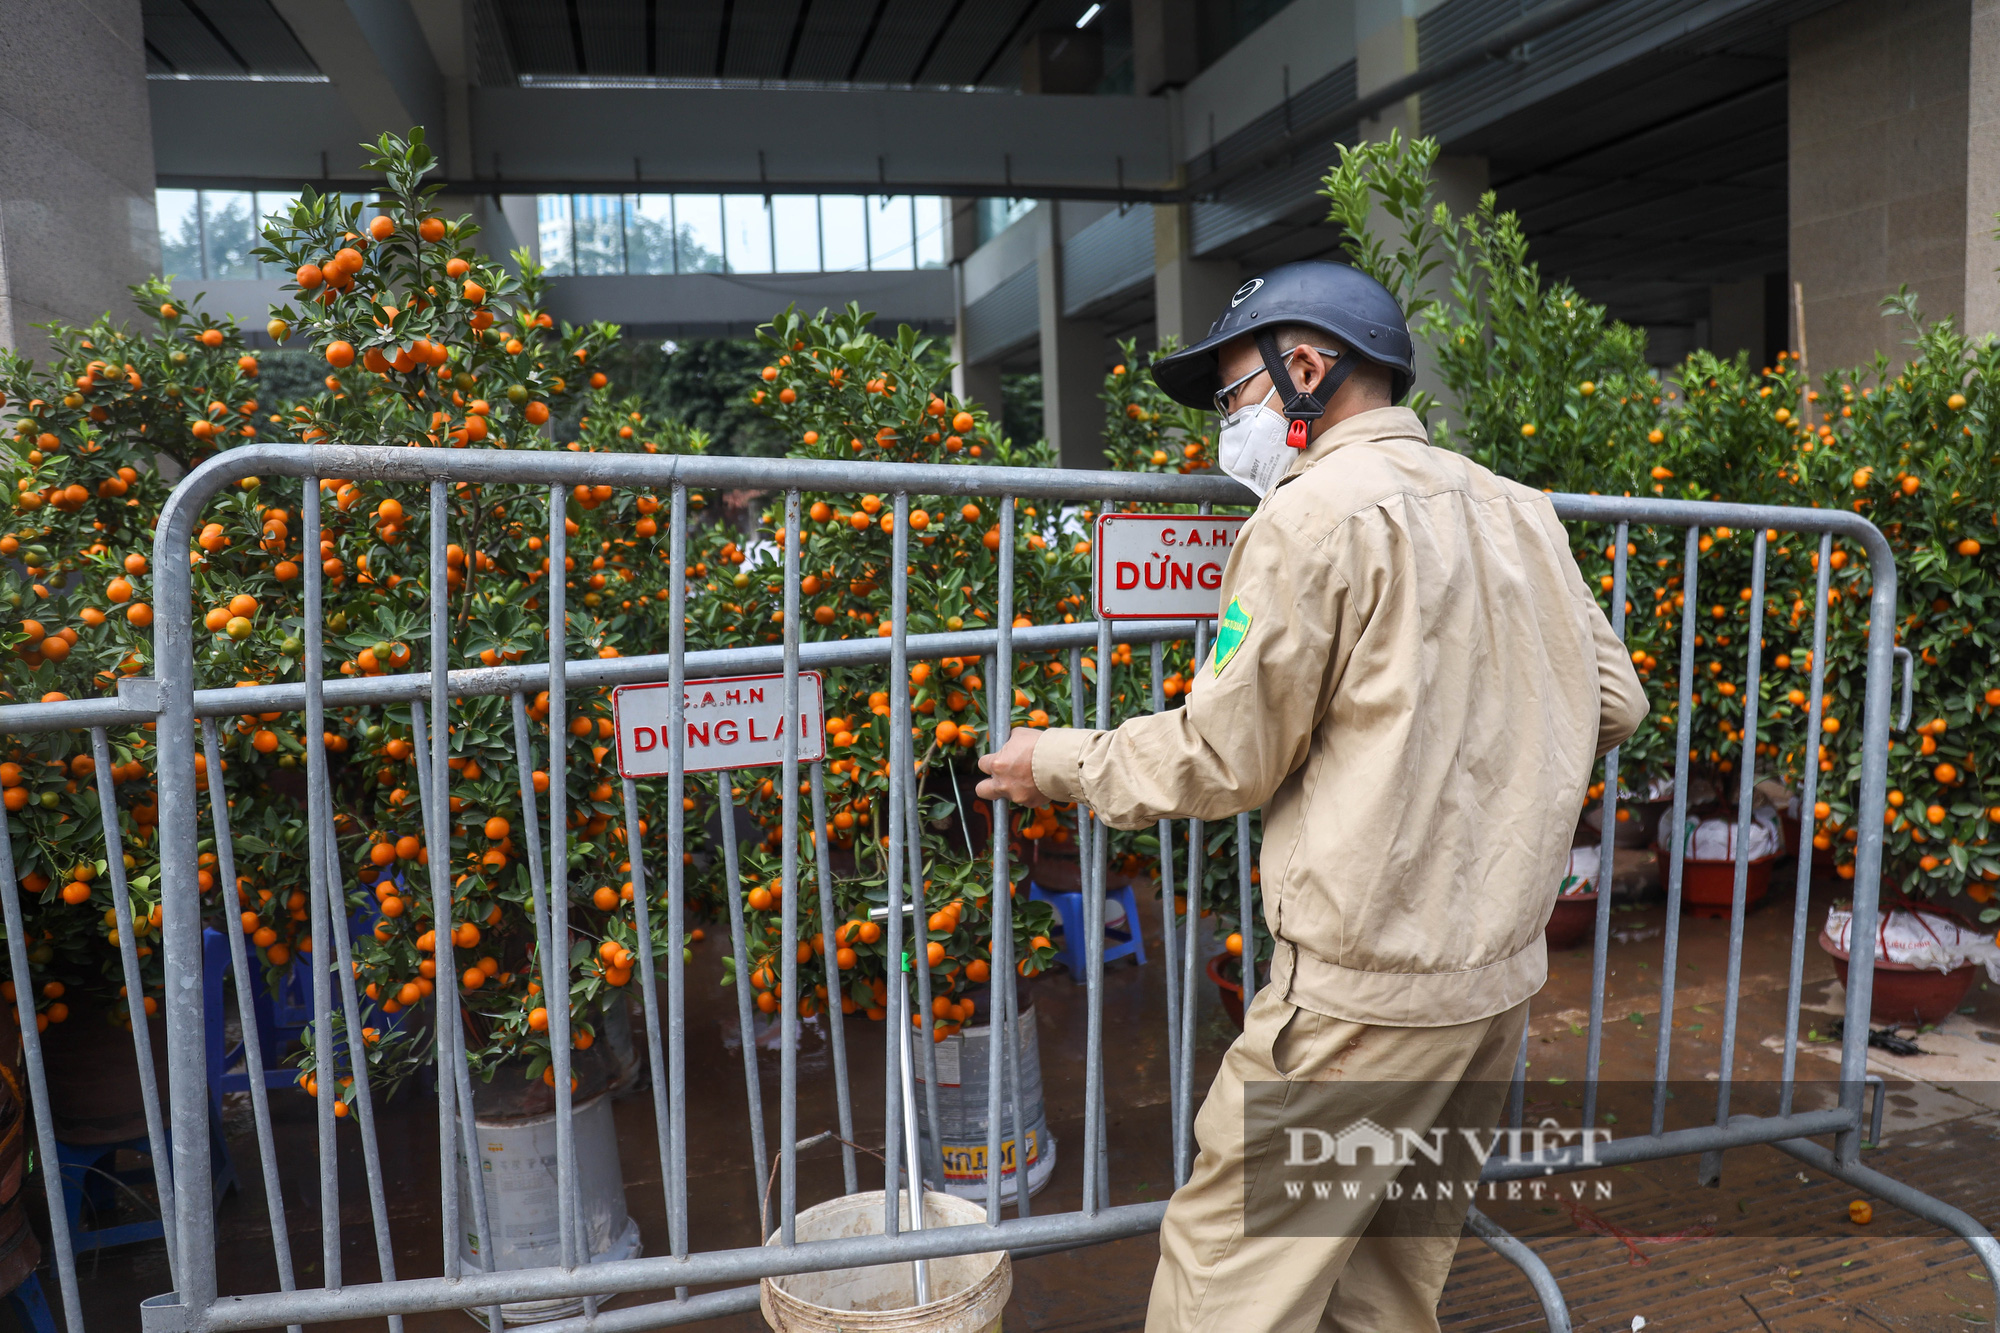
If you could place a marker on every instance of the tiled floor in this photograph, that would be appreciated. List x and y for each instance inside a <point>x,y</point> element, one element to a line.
<point>1770,1249</point>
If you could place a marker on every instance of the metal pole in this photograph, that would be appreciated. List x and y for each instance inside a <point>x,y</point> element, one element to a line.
<point>38,1085</point>
<point>649,985</point>
<point>1169,935</point>
<point>135,981</point>
<point>1808,796</point>
<point>451,1059</point>
<point>676,1168</point>
<point>792,539</point>
<point>999,721</point>
<point>836,1029</point>
<point>1607,844</point>
<point>357,1058</point>
<point>1096,1155</point>
<point>555,989</point>
<point>319,835</point>
<point>1746,782</point>
<point>913,1163</point>
<point>746,1005</point>
<point>246,1012</point>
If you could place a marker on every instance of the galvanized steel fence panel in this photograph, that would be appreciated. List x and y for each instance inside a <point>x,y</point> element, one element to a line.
<point>179,708</point>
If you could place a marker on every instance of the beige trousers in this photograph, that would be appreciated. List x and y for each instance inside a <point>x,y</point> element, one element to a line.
<point>1212,1276</point>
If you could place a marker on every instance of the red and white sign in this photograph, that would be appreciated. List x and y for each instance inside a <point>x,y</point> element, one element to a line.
<point>1161,566</point>
<point>731,721</point>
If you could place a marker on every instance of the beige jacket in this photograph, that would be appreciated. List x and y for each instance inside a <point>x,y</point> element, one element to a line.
<point>1418,690</point>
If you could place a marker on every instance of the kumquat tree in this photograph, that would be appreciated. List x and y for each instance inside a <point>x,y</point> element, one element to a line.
<point>90,429</point>
<point>843,392</point>
<point>423,340</point>
<point>1551,392</point>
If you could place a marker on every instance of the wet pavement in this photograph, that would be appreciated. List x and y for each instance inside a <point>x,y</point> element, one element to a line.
<point>1769,1249</point>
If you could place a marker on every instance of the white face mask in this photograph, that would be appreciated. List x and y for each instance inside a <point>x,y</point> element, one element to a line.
<point>1251,446</point>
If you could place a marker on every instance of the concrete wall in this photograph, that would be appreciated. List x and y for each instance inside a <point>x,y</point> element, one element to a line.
<point>1982,168</point>
<point>77,224</point>
<point>732,305</point>
<point>1881,106</point>
<point>1299,45</point>
<point>686,305</point>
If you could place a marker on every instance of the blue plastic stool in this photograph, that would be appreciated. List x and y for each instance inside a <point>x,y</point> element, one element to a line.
<point>85,1181</point>
<point>1128,942</point>
<point>281,1015</point>
<point>30,1308</point>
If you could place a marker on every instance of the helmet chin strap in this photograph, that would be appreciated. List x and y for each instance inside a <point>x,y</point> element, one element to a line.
<point>1301,406</point>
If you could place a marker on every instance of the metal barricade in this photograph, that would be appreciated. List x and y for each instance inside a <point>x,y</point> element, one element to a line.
<point>197,1306</point>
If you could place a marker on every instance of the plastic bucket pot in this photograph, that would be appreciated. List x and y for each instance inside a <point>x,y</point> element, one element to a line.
<point>1573,921</point>
<point>517,1157</point>
<point>963,1061</point>
<point>1708,887</point>
<point>1904,995</point>
<point>968,1293</point>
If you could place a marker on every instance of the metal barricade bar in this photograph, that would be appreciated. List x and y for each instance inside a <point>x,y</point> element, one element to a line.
<point>198,1305</point>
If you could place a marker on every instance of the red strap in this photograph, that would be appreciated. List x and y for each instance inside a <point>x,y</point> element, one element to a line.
<point>1295,435</point>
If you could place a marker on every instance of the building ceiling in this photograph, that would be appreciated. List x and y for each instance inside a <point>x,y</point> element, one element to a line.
<point>1645,170</point>
<point>937,43</point>
<point>1646,181</point>
<point>222,39</point>
<point>1646,186</point>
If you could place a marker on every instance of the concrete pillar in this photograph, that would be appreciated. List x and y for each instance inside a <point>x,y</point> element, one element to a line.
<point>447,29</point>
<point>1385,49</point>
<point>1753,315</point>
<point>1736,319</point>
<point>1189,294</point>
<point>1457,182</point>
<point>1895,128</point>
<point>1072,357</point>
<point>523,220</point>
<point>77,224</point>
<point>978,384</point>
<point>1063,60</point>
<point>1163,45</point>
<point>1982,178</point>
<point>962,230</point>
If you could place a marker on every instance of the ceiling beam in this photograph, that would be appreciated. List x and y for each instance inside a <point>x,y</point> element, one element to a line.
<point>376,54</point>
<point>730,140</point>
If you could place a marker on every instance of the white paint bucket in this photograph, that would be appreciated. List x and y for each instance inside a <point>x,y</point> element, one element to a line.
<point>517,1164</point>
<point>968,1293</point>
<point>962,1065</point>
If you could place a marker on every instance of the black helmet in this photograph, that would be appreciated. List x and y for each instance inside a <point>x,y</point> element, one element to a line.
<point>1335,298</point>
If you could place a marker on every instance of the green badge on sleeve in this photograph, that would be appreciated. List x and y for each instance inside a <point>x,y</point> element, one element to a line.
<point>1230,632</point>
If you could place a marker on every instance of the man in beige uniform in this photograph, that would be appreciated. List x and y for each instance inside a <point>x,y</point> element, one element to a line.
<point>1412,679</point>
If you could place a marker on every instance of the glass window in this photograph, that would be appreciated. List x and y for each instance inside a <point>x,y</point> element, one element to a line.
<point>272,207</point>
<point>556,235</point>
<point>795,220</point>
<point>698,233</point>
<point>600,234</point>
<point>891,227</point>
<point>996,215</point>
<point>649,233</point>
<point>690,233</point>
<point>748,225</point>
<point>843,229</point>
<point>229,233</point>
<point>180,232</point>
<point>931,218</point>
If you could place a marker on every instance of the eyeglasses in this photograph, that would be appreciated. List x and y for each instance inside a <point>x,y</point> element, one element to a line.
<point>1227,393</point>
